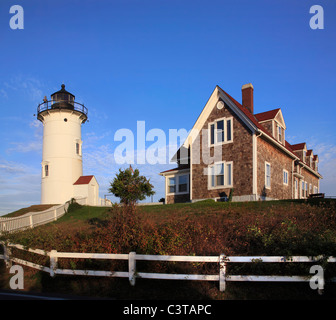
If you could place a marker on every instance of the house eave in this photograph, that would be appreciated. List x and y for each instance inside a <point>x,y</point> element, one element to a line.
<point>279,145</point>
<point>172,172</point>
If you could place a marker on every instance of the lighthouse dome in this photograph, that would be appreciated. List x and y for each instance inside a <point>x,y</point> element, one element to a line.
<point>62,99</point>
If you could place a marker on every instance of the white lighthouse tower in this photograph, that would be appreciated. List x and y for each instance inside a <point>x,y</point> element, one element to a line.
<point>62,166</point>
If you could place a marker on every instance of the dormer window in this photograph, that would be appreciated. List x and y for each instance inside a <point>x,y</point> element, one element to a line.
<point>279,134</point>
<point>304,156</point>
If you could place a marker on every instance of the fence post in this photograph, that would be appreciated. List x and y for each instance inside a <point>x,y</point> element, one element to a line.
<point>53,262</point>
<point>31,221</point>
<point>131,268</point>
<point>222,272</point>
<point>7,253</point>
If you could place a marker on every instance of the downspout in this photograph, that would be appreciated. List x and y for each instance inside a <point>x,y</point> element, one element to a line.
<point>190,172</point>
<point>293,179</point>
<point>254,164</point>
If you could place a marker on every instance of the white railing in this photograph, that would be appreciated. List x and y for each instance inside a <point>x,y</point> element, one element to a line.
<point>33,219</point>
<point>222,260</point>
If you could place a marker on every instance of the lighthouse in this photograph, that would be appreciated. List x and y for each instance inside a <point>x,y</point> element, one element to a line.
<point>62,167</point>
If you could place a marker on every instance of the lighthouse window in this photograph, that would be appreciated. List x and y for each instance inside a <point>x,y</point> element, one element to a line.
<point>46,170</point>
<point>78,148</point>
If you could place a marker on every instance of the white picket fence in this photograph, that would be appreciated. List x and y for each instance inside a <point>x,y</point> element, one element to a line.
<point>222,260</point>
<point>33,219</point>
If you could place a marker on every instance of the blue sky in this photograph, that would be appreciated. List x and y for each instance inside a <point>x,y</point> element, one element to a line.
<point>158,62</point>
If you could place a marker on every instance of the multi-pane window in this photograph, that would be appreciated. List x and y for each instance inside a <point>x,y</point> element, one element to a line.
<point>285,177</point>
<point>178,184</point>
<point>183,183</point>
<point>220,175</point>
<point>172,185</point>
<point>279,134</point>
<point>220,131</point>
<point>267,175</point>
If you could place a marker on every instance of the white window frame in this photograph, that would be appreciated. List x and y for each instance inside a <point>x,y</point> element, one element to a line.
<point>44,171</point>
<point>79,142</point>
<point>225,120</point>
<point>279,134</point>
<point>177,176</point>
<point>270,175</point>
<point>285,177</point>
<point>170,185</point>
<point>302,189</point>
<point>178,184</point>
<point>212,168</point>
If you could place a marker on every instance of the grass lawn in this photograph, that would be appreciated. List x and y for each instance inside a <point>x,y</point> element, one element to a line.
<point>33,208</point>
<point>203,228</point>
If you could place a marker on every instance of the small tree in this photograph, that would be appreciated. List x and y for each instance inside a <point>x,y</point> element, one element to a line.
<point>130,187</point>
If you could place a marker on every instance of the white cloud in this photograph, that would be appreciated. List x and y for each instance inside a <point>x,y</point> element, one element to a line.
<point>3,93</point>
<point>11,167</point>
<point>19,187</point>
<point>33,146</point>
<point>102,163</point>
<point>27,85</point>
<point>326,152</point>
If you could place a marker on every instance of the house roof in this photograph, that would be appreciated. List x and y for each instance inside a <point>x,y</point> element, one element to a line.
<point>299,146</point>
<point>268,115</point>
<point>253,121</point>
<point>182,167</point>
<point>256,123</point>
<point>83,180</point>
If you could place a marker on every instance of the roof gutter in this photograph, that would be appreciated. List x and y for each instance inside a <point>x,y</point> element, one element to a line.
<point>172,172</point>
<point>310,169</point>
<point>281,146</point>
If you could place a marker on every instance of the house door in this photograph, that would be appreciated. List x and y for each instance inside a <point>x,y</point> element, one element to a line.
<point>296,189</point>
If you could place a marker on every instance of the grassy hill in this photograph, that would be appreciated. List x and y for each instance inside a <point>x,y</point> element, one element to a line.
<point>33,208</point>
<point>204,228</point>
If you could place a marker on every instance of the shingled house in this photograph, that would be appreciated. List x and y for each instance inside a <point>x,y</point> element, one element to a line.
<point>231,149</point>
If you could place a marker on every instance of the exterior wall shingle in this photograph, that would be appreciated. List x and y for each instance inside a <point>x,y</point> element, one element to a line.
<point>279,161</point>
<point>239,151</point>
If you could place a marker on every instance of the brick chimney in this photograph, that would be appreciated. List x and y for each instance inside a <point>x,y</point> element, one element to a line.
<point>247,96</point>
